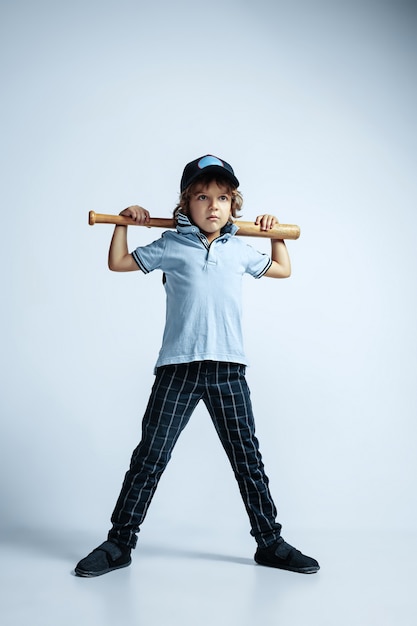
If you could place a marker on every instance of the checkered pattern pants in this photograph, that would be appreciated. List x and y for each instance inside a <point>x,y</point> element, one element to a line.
<point>175,394</point>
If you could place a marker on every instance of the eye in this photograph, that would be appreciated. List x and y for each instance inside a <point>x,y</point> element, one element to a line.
<point>224,198</point>
<point>202,196</point>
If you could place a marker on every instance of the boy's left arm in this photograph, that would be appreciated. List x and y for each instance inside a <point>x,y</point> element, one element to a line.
<point>281,264</point>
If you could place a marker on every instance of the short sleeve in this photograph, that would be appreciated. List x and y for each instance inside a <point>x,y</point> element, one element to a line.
<point>149,257</point>
<point>257,263</point>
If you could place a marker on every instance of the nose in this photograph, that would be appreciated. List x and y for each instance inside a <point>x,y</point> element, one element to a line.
<point>213,204</point>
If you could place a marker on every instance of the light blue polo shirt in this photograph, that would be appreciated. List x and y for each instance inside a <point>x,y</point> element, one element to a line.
<point>203,292</point>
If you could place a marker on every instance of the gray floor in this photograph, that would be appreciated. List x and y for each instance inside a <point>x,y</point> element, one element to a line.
<point>365,579</point>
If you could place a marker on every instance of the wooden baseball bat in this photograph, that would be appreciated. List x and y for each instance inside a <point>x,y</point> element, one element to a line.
<point>246,229</point>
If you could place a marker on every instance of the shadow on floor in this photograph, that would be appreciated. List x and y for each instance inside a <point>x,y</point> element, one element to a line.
<point>182,553</point>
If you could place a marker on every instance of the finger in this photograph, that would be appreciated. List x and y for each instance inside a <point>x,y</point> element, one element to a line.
<point>144,216</point>
<point>131,212</point>
<point>265,222</point>
<point>270,222</point>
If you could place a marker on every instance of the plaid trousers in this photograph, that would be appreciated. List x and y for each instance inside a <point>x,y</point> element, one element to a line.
<point>176,391</point>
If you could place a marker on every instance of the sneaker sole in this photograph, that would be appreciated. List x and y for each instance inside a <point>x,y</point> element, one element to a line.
<point>303,570</point>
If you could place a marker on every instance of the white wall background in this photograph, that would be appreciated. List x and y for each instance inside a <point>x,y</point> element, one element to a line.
<point>314,105</point>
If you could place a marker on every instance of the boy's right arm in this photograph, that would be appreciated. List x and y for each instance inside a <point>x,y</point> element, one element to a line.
<point>120,260</point>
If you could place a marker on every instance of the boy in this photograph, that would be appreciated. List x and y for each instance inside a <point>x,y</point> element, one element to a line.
<point>201,357</point>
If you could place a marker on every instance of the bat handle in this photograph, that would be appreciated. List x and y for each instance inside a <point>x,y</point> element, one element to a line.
<point>92,218</point>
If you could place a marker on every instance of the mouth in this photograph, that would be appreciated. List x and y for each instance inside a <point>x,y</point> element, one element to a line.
<point>213,218</point>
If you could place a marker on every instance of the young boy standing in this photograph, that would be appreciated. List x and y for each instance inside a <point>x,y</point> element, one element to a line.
<point>201,358</point>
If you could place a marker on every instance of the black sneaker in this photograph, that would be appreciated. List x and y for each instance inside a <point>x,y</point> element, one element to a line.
<point>284,556</point>
<point>105,558</point>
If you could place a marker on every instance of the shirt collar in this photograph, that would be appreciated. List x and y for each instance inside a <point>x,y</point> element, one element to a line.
<point>185,227</point>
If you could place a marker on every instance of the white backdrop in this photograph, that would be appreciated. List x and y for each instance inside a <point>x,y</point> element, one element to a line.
<point>314,105</point>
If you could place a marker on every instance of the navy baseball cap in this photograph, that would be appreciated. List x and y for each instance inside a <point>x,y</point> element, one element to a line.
<point>207,164</point>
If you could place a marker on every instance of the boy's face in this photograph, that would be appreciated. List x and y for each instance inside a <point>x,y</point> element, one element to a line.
<point>210,208</point>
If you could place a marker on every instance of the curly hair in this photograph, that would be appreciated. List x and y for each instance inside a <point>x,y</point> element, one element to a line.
<point>205,179</point>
